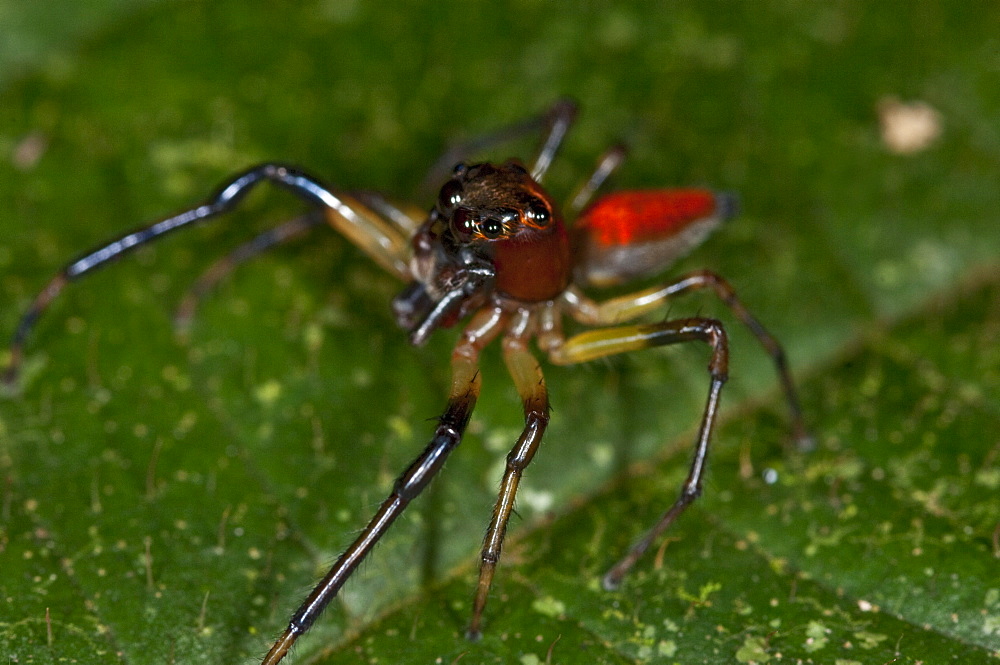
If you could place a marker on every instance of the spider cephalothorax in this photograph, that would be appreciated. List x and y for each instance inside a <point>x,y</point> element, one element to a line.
<point>493,231</point>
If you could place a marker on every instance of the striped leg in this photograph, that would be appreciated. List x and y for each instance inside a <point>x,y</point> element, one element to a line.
<point>381,214</point>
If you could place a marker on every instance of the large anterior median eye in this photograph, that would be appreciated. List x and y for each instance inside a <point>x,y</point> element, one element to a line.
<point>491,228</point>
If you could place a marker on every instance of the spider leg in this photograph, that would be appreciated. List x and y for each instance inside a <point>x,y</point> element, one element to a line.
<point>554,122</point>
<point>632,306</point>
<point>465,384</point>
<point>406,218</point>
<point>558,120</point>
<point>606,165</point>
<point>374,235</point>
<point>611,341</point>
<point>222,268</point>
<point>405,222</point>
<point>530,383</point>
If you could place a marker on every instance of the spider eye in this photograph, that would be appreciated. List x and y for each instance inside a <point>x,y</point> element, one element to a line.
<point>450,196</point>
<point>463,222</point>
<point>538,214</point>
<point>492,228</point>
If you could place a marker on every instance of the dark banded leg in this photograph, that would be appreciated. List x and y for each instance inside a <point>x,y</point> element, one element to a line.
<point>610,341</point>
<point>27,322</point>
<point>705,279</point>
<point>527,374</point>
<point>224,200</point>
<point>446,437</point>
<point>630,306</point>
<point>464,391</point>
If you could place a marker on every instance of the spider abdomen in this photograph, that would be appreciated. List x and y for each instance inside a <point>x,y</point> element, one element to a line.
<point>630,234</point>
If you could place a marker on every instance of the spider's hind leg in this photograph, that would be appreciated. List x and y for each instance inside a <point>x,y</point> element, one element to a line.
<point>632,306</point>
<point>553,125</point>
<point>603,342</point>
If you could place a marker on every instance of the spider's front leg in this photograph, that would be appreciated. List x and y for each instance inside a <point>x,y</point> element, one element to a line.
<point>603,342</point>
<point>465,383</point>
<point>530,384</point>
<point>382,234</point>
<point>361,219</point>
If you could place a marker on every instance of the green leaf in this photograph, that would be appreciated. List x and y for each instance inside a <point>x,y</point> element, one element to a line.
<point>168,501</point>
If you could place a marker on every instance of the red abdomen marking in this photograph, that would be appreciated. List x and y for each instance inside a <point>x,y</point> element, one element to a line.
<point>631,234</point>
<point>623,218</point>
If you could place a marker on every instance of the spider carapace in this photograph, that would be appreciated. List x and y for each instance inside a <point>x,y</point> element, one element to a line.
<point>496,256</point>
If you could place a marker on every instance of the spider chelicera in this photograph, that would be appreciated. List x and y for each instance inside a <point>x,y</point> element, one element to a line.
<point>496,253</point>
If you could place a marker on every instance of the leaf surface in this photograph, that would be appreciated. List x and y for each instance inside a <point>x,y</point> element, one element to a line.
<point>170,501</point>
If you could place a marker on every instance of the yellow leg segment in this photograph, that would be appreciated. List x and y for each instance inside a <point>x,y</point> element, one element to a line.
<point>610,341</point>
<point>528,379</point>
<point>641,303</point>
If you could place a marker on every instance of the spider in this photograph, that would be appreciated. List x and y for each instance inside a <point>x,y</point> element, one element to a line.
<point>496,254</point>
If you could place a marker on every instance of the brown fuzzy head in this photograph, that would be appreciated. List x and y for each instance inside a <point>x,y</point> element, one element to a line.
<point>493,230</point>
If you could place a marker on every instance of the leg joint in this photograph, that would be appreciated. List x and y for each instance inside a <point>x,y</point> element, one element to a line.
<point>690,492</point>
<point>490,557</point>
<point>521,454</point>
<point>713,333</point>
